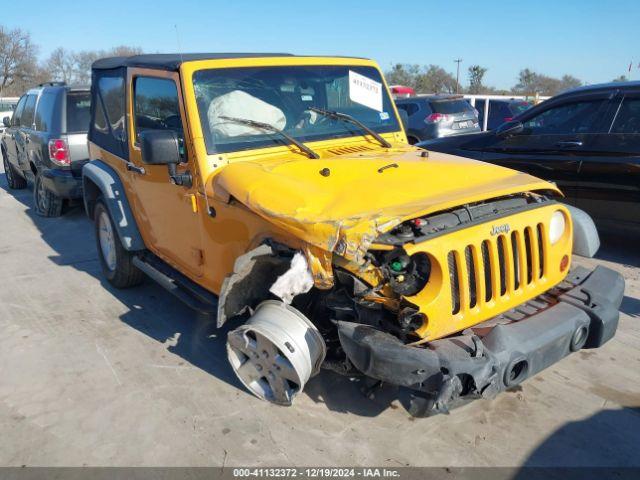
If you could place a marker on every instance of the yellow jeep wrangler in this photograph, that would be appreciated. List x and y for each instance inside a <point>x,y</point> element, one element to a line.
<point>279,194</point>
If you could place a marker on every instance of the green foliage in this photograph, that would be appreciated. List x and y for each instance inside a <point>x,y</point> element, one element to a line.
<point>476,74</point>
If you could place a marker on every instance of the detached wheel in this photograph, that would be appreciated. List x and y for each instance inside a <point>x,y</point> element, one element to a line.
<point>14,180</point>
<point>276,352</point>
<point>116,261</point>
<point>47,203</point>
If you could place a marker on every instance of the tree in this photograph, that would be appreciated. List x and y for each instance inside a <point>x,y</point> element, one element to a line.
<point>621,78</point>
<point>61,65</point>
<point>437,80</point>
<point>476,74</point>
<point>75,67</point>
<point>526,80</point>
<point>402,74</point>
<point>531,83</point>
<point>18,63</point>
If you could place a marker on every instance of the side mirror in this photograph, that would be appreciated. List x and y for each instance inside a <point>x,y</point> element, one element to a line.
<point>159,147</point>
<point>162,147</point>
<point>404,118</point>
<point>509,128</point>
<point>6,121</point>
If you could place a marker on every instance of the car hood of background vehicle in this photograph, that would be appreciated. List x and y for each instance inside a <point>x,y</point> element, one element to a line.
<point>342,203</point>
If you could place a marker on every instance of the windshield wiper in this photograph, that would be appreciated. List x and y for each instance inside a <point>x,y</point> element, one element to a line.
<point>348,118</point>
<point>265,126</point>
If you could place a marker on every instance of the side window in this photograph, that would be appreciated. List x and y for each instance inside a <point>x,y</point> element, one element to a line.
<point>112,94</point>
<point>575,117</point>
<point>44,112</point>
<point>15,119</point>
<point>156,105</point>
<point>27,117</point>
<point>107,106</point>
<point>628,118</point>
<point>410,108</point>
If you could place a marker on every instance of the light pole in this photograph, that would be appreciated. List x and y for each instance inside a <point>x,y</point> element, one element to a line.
<point>457,60</point>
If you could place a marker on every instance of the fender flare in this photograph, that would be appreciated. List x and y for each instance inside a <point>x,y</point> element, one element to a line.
<point>99,179</point>
<point>586,240</point>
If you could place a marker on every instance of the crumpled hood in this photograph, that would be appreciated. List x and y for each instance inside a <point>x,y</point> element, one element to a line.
<point>342,203</point>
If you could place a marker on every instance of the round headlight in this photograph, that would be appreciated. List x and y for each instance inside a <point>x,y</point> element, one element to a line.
<point>557,226</point>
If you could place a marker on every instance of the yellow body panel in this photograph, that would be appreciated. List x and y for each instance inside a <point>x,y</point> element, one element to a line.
<point>239,199</point>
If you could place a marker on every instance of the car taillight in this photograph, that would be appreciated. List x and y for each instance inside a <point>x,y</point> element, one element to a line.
<point>59,152</point>
<point>508,119</point>
<point>436,117</point>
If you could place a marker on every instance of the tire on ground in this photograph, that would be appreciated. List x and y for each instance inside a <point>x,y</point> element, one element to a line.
<point>14,180</point>
<point>121,273</point>
<point>47,203</point>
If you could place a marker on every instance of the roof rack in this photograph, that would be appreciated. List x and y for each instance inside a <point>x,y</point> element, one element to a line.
<point>53,84</point>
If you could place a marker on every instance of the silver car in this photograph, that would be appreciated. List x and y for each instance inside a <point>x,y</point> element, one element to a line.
<point>45,142</point>
<point>435,116</point>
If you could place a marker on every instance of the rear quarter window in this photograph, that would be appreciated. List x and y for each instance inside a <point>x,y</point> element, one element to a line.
<point>78,112</point>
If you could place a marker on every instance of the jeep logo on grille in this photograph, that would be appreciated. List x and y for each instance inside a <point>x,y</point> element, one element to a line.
<point>504,228</point>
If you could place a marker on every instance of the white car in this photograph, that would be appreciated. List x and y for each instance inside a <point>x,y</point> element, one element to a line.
<point>7,105</point>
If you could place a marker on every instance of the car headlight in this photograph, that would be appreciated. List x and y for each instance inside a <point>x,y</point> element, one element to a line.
<point>557,226</point>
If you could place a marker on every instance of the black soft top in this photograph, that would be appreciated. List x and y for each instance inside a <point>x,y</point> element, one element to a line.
<point>171,61</point>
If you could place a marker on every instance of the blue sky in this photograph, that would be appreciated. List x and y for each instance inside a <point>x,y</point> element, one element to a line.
<point>593,40</point>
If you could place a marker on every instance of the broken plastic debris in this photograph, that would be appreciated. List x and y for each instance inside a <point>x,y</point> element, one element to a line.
<point>296,280</point>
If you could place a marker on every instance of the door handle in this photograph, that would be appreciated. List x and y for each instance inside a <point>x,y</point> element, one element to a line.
<point>569,144</point>
<point>134,168</point>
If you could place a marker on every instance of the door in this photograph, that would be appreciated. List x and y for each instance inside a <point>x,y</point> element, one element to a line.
<point>23,135</point>
<point>166,212</point>
<point>11,132</point>
<point>609,179</point>
<point>554,141</point>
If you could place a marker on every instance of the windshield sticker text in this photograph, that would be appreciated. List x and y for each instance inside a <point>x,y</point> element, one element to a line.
<point>365,91</point>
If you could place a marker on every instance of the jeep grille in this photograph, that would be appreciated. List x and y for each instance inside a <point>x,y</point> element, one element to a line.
<point>478,273</point>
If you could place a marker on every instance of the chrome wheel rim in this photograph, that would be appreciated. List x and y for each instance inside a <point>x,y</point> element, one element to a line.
<point>262,368</point>
<point>107,241</point>
<point>276,352</point>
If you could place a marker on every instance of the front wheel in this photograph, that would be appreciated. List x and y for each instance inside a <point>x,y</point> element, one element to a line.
<point>116,261</point>
<point>47,203</point>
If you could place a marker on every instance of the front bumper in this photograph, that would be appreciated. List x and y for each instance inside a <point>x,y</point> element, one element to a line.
<point>581,312</point>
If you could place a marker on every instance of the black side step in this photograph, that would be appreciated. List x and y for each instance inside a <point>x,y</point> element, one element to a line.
<point>189,292</point>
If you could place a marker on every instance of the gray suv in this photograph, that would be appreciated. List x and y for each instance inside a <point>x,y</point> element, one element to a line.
<point>45,143</point>
<point>435,116</point>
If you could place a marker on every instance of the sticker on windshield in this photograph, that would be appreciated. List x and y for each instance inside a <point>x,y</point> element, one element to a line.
<point>384,116</point>
<point>365,91</point>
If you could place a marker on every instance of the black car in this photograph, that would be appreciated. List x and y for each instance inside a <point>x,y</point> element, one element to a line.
<point>587,140</point>
<point>45,142</point>
<point>500,111</point>
<point>434,116</point>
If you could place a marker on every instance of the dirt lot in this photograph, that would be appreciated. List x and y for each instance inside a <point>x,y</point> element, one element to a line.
<point>95,376</point>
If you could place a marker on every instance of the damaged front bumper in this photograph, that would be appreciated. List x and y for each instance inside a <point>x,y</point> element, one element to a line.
<point>581,312</point>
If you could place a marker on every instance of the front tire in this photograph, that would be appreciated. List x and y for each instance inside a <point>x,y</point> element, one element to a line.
<point>15,181</point>
<point>117,263</point>
<point>47,203</point>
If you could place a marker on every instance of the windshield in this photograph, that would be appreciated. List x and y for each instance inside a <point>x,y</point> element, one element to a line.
<point>284,97</point>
